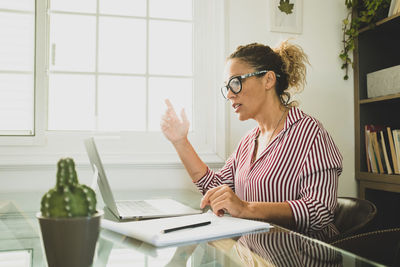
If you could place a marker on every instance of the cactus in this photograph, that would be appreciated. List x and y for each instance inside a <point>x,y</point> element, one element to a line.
<point>68,198</point>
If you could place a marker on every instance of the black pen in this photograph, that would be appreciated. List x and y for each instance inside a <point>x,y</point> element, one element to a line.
<point>185,227</point>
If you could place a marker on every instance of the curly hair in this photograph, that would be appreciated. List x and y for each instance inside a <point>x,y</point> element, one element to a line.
<point>287,60</point>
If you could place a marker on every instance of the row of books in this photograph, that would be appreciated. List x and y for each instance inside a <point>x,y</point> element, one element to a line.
<point>382,145</point>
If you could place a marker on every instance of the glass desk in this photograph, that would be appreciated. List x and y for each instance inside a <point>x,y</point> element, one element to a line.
<point>21,245</point>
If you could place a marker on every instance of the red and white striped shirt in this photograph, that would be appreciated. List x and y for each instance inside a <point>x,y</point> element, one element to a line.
<point>301,166</point>
<point>278,248</point>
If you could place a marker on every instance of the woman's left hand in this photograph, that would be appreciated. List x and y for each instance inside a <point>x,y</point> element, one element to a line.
<point>222,199</point>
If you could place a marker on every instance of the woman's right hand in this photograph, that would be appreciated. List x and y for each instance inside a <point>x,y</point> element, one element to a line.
<point>174,129</point>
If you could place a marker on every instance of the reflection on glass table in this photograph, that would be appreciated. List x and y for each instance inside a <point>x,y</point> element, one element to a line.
<point>20,240</point>
<point>19,237</point>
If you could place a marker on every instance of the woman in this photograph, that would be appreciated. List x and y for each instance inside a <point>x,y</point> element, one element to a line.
<point>284,171</point>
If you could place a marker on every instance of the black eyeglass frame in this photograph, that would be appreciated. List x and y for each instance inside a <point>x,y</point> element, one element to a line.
<point>227,87</point>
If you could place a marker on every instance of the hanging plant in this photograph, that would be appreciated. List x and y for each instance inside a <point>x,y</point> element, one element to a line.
<point>368,13</point>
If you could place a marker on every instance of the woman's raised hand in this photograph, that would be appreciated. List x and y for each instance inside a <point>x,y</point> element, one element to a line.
<point>172,127</point>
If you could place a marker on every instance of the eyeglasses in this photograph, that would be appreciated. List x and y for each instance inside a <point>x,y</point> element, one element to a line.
<point>235,83</point>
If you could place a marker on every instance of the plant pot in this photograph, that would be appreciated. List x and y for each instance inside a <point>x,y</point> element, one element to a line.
<point>70,241</point>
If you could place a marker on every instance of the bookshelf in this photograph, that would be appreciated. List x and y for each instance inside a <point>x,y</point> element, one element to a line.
<point>376,49</point>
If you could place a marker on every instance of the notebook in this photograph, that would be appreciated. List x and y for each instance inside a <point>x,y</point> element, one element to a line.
<point>151,231</point>
<point>132,209</point>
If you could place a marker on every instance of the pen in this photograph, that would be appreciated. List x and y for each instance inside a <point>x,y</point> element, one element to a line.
<point>185,227</point>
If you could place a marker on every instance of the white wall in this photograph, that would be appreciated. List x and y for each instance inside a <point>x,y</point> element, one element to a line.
<point>327,96</point>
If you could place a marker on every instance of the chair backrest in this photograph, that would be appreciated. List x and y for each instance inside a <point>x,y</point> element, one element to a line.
<point>352,215</point>
<point>382,246</point>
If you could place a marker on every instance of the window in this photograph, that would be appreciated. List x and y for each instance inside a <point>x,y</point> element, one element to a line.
<point>17,44</point>
<point>104,67</point>
<point>119,63</point>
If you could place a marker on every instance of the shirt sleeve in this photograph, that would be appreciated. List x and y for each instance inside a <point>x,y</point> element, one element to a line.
<point>216,178</point>
<point>314,210</point>
<point>226,175</point>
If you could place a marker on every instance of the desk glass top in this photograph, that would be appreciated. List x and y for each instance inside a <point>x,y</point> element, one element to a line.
<point>21,244</point>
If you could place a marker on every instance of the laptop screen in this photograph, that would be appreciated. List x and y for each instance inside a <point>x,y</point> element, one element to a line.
<point>102,181</point>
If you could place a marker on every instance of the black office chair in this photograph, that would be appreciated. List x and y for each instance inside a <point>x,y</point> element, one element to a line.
<point>382,246</point>
<point>352,216</point>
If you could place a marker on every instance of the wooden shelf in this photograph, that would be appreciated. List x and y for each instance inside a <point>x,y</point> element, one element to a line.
<point>380,98</point>
<point>380,178</point>
<point>388,19</point>
<point>382,21</point>
<point>376,48</point>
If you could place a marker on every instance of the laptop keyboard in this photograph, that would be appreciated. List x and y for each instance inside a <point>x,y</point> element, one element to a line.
<point>136,207</point>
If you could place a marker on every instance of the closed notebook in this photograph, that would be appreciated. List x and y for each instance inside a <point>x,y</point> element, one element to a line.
<point>151,231</point>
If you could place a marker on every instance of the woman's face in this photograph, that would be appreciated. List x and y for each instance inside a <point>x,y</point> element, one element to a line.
<point>249,102</point>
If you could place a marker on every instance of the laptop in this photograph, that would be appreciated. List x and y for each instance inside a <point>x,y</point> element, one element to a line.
<point>132,209</point>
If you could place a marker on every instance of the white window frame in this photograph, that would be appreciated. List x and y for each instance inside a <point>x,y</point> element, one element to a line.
<point>209,125</point>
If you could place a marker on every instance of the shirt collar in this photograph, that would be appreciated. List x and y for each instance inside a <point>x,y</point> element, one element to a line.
<point>294,115</point>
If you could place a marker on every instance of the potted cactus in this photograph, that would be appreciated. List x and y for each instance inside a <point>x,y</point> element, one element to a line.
<point>68,220</point>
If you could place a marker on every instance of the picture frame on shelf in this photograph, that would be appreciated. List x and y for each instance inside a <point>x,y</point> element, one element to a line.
<point>286,16</point>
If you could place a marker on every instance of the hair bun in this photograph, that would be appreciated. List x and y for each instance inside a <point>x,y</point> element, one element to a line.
<point>294,64</point>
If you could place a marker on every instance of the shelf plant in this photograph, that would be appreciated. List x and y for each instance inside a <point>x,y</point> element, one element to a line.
<point>361,13</point>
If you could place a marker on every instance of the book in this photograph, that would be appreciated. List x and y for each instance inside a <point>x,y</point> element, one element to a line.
<point>393,154</point>
<point>151,231</point>
<point>393,5</point>
<point>397,7</point>
<point>387,147</point>
<point>385,154</point>
<point>396,139</point>
<point>366,134</point>
<point>371,153</point>
<point>377,151</point>
<point>374,137</point>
